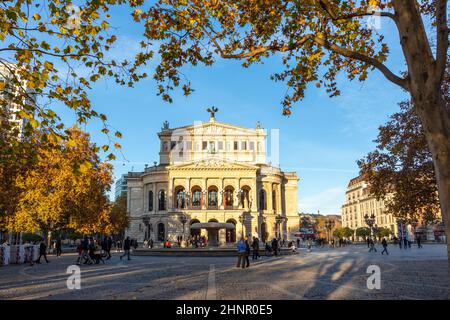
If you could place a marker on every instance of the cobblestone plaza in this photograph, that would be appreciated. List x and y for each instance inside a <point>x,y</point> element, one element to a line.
<point>324,273</point>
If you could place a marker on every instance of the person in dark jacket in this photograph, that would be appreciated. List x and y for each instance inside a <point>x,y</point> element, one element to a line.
<point>42,252</point>
<point>58,246</point>
<point>384,244</point>
<point>109,243</point>
<point>126,248</point>
<point>275,246</point>
<point>255,247</point>
<point>419,242</point>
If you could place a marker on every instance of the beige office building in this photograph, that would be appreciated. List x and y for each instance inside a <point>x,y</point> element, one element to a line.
<point>359,202</point>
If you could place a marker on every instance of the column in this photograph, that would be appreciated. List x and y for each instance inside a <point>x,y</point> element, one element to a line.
<point>155,196</point>
<point>205,193</point>
<point>222,194</point>
<point>269,198</point>
<point>188,190</point>
<point>170,194</point>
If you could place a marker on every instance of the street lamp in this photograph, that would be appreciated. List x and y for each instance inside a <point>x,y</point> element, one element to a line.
<point>329,224</point>
<point>370,221</point>
<point>146,221</point>
<point>183,219</point>
<point>414,224</point>
<point>242,220</point>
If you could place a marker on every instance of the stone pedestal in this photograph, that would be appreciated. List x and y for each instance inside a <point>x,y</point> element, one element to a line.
<point>222,237</point>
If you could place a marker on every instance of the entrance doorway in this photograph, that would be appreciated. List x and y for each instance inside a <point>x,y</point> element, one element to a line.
<point>231,233</point>
<point>161,232</point>
<point>195,233</point>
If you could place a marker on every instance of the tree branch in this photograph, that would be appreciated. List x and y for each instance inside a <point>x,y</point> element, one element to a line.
<point>442,38</point>
<point>325,4</point>
<point>361,57</point>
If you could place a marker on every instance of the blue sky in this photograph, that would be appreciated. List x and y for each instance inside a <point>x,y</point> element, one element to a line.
<point>321,141</point>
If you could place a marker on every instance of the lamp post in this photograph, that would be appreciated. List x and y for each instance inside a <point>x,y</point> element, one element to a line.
<point>183,219</point>
<point>414,224</point>
<point>146,221</point>
<point>329,224</point>
<point>370,221</point>
<point>242,220</point>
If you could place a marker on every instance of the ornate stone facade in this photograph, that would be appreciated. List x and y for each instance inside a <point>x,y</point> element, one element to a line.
<point>212,172</point>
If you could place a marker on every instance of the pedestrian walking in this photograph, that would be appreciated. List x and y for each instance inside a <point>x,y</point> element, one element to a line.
<point>275,246</point>
<point>150,243</point>
<point>109,243</point>
<point>368,242</point>
<point>384,244</point>
<point>58,247</point>
<point>419,242</point>
<point>255,247</point>
<point>372,246</point>
<point>126,248</point>
<point>241,253</point>
<point>42,252</point>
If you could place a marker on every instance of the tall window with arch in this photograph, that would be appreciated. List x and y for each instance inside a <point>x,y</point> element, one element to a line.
<point>196,196</point>
<point>150,201</point>
<point>229,197</point>
<point>161,200</point>
<point>212,197</point>
<point>274,199</point>
<point>181,198</point>
<point>262,200</point>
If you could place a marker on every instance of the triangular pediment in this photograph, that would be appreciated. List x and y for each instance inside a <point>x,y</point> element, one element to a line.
<point>213,163</point>
<point>212,128</point>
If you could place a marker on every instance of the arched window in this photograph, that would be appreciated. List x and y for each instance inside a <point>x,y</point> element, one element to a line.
<point>196,196</point>
<point>180,200</point>
<point>229,197</point>
<point>245,197</point>
<point>150,201</point>
<point>212,197</point>
<point>262,200</point>
<point>274,199</point>
<point>161,200</point>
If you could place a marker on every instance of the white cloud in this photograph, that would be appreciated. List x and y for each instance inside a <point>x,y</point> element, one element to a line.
<point>328,201</point>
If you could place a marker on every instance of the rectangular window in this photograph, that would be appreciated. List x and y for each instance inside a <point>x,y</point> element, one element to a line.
<point>244,145</point>
<point>172,145</point>
<point>252,145</point>
<point>220,145</point>
<point>236,145</point>
<point>205,145</point>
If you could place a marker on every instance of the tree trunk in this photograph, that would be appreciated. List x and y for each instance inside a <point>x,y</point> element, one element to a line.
<point>435,117</point>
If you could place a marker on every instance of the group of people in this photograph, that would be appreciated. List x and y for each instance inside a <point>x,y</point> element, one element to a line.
<point>92,250</point>
<point>246,246</point>
<point>403,243</point>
